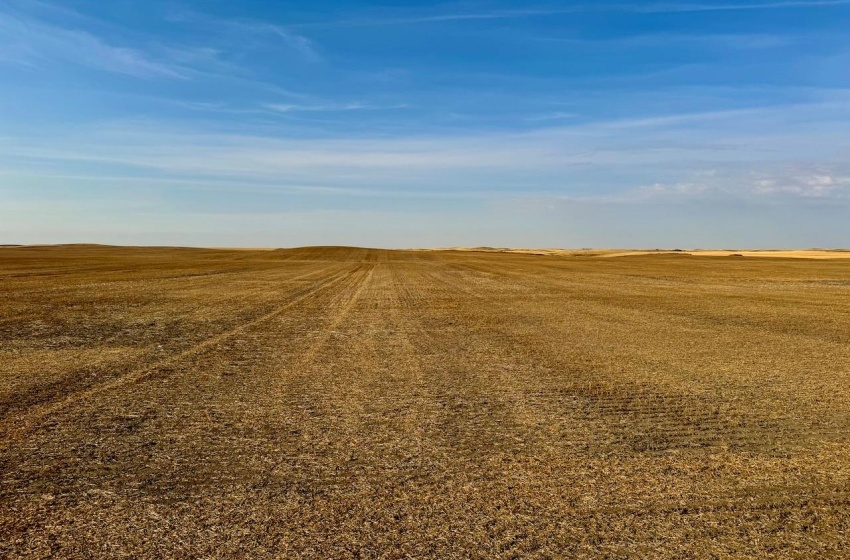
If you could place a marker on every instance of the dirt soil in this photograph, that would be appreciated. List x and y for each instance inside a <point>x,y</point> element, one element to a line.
<point>357,403</point>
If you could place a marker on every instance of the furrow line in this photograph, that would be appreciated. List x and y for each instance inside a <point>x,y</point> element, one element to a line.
<point>24,423</point>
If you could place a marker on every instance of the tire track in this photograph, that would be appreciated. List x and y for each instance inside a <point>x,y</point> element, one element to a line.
<point>83,331</point>
<point>26,422</point>
<point>311,352</point>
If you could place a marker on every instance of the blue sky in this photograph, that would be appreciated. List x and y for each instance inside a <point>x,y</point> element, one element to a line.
<point>405,124</point>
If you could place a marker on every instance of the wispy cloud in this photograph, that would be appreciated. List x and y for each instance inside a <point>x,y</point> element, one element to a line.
<point>556,116</point>
<point>305,47</point>
<point>441,18</point>
<point>798,146</point>
<point>677,119</point>
<point>711,40</point>
<point>39,33</point>
<point>402,19</point>
<point>306,105</point>
<point>34,42</point>
<point>820,184</point>
<point>817,185</point>
<point>685,7</point>
<point>333,107</point>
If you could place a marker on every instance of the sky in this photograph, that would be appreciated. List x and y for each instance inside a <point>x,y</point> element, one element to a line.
<point>640,124</point>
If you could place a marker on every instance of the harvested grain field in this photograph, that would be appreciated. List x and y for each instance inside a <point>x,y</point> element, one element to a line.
<point>359,403</point>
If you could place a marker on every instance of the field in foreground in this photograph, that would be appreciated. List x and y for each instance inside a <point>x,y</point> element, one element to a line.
<point>357,403</point>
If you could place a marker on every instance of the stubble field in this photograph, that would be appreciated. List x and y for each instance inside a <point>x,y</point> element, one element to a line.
<point>360,403</point>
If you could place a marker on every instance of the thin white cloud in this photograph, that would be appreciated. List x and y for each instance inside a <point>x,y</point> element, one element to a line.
<point>667,40</point>
<point>830,181</point>
<point>440,18</point>
<point>543,12</point>
<point>225,185</point>
<point>680,118</point>
<point>685,7</point>
<point>333,107</point>
<point>37,33</point>
<point>808,185</point>
<point>556,116</point>
<point>34,42</point>
<point>298,43</point>
<point>305,47</point>
<point>660,151</point>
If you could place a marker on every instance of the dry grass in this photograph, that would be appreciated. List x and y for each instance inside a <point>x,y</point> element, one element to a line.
<point>356,403</point>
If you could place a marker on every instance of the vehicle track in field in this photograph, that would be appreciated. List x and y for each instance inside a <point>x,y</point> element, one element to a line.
<point>167,335</point>
<point>23,423</point>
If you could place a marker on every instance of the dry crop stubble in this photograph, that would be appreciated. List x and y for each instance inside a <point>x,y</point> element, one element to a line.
<point>343,402</point>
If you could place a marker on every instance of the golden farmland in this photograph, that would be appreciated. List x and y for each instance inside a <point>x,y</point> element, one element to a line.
<point>360,403</point>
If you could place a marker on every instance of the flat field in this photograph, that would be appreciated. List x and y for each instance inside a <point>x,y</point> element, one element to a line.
<point>359,403</point>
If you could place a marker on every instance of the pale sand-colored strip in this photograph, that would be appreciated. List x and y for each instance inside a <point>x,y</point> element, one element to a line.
<point>771,253</point>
